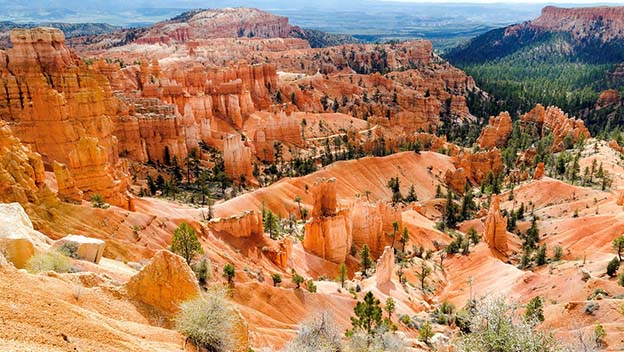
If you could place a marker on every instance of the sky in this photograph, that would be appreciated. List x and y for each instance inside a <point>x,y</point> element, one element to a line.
<point>584,2</point>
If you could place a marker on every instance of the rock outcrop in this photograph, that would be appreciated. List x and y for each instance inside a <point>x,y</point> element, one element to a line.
<point>47,85</point>
<point>539,171</point>
<point>385,266</point>
<point>22,172</point>
<point>496,227</point>
<point>372,224</point>
<point>245,225</point>
<point>237,159</point>
<point>18,239</point>
<point>554,120</point>
<point>473,168</point>
<point>280,252</point>
<point>496,133</point>
<point>608,97</point>
<point>89,249</point>
<point>164,283</point>
<point>328,231</point>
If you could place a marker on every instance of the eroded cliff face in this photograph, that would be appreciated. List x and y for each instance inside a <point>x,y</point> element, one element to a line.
<point>22,174</point>
<point>372,225</point>
<point>328,231</point>
<point>62,109</point>
<point>473,168</point>
<point>580,22</point>
<point>554,120</point>
<point>496,133</point>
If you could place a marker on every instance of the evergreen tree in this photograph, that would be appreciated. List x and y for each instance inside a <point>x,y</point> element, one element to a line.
<point>342,274</point>
<point>368,317</point>
<point>535,309</point>
<point>365,259</point>
<point>185,243</point>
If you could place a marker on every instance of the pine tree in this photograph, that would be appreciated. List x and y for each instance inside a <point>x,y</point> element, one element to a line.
<point>365,259</point>
<point>535,309</point>
<point>342,274</point>
<point>368,317</point>
<point>185,243</point>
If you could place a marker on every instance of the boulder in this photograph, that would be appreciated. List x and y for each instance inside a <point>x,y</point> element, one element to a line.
<point>164,283</point>
<point>18,239</point>
<point>89,249</point>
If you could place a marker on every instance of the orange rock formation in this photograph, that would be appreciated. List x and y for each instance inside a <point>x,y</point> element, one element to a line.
<point>496,227</point>
<point>497,131</point>
<point>328,231</point>
<point>554,120</point>
<point>47,84</point>
<point>164,283</point>
<point>385,266</point>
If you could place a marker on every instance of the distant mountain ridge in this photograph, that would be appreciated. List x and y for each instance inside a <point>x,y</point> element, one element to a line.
<point>578,34</point>
<point>220,23</point>
<point>71,30</point>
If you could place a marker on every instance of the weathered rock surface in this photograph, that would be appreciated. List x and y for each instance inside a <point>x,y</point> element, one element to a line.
<point>554,120</point>
<point>22,172</point>
<point>539,171</point>
<point>237,159</point>
<point>371,225</point>
<point>385,266</point>
<point>89,249</point>
<point>18,239</point>
<point>497,131</point>
<point>473,168</point>
<point>328,231</point>
<point>280,252</point>
<point>496,227</point>
<point>47,85</point>
<point>164,283</point>
<point>245,225</point>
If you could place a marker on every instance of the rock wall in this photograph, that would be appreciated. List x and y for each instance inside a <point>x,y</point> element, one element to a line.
<point>473,168</point>
<point>47,85</point>
<point>373,223</point>
<point>237,159</point>
<point>328,231</point>
<point>245,225</point>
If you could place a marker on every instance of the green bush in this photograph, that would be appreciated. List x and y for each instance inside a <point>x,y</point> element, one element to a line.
<point>613,267</point>
<point>495,325</point>
<point>50,261</point>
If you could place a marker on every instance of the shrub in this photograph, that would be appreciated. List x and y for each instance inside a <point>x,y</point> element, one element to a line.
<point>229,272</point>
<point>208,321</point>
<point>558,253</point>
<point>50,261</point>
<point>203,271</point>
<point>591,307</point>
<point>297,279</point>
<point>277,279</point>
<point>495,326</point>
<point>535,309</point>
<point>426,332</point>
<point>97,201</point>
<point>621,279</point>
<point>613,266</point>
<point>69,249</point>
<point>599,335</point>
<point>318,333</point>
<point>311,286</point>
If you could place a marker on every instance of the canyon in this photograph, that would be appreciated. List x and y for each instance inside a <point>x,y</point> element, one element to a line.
<point>284,160</point>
